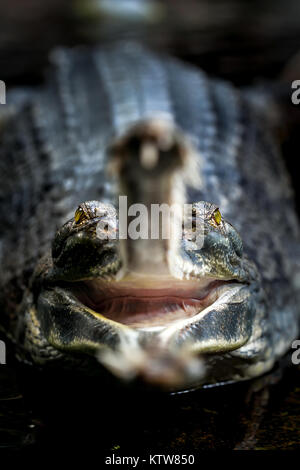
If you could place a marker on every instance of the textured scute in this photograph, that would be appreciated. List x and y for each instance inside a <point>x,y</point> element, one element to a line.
<point>53,156</point>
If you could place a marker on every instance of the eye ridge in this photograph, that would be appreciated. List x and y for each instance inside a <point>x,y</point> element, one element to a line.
<point>88,211</point>
<point>83,213</point>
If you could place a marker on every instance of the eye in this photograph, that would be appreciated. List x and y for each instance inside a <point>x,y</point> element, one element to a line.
<point>217,216</point>
<point>80,215</point>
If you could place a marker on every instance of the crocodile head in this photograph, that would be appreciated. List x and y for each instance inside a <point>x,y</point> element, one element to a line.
<point>177,310</point>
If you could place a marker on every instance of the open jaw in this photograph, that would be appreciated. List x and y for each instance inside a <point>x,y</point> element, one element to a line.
<point>156,329</point>
<point>161,304</point>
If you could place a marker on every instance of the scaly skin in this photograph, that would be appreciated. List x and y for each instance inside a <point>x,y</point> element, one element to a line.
<point>54,155</point>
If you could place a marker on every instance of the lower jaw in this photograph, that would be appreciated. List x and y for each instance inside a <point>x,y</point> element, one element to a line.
<point>71,326</point>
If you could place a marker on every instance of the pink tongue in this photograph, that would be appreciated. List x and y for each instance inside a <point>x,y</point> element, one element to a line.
<point>133,310</point>
<point>141,307</point>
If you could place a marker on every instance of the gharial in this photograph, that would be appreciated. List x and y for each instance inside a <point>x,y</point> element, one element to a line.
<point>122,120</point>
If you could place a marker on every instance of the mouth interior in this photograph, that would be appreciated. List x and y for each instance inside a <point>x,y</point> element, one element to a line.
<point>140,307</point>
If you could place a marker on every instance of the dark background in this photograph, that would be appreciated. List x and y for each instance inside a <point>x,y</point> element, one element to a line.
<point>247,43</point>
<point>238,40</point>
